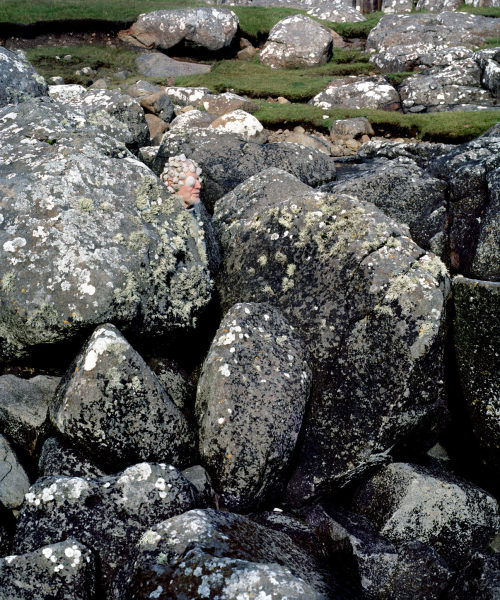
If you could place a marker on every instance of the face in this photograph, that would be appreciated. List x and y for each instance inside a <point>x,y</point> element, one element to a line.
<point>190,191</point>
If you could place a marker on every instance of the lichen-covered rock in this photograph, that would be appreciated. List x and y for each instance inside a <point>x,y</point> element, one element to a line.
<point>489,61</point>
<point>210,28</point>
<point>338,12</point>
<point>18,79</point>
<point>107,514</point>
<point>476,339</point>
<point>186,96</point>
<point>14,482</point>
<point>423,153</point>
<point>112,406</point>
<point>358,92</point>
<point>91,236</point>
<point>297,41</point>
<point>397,6</point>
<point>251,399</point>
<point>188,120</point>
<point>242,124</point>
<point>419,55</point>
<point>351,128</point>
<point>438,5</point>
<point>24,406</point>
<point>480,579</point>
<point>156,64</point>
<point>160,553</point>
<point>409,502</point>
<point>220,104</point>
<point>366,299</point>
<point>227,160</point>
<point>59,458</point>
<point>175,381</point>
<point>63,571</point>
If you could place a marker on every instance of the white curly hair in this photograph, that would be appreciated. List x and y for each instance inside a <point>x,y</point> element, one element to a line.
<point>174,172</point>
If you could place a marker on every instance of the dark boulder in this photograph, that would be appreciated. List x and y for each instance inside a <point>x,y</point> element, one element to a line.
<point>59,458</point>
<point>18,79</point>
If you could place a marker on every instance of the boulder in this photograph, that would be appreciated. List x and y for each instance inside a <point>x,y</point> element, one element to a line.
<point>351,128</point>
<point>175,381</point>
<point>147,154</point>
<point>64,570</point>
<point>57,457</point>
<point>24,406</point>
<point>157,128</point>
<point>396,6</point>
<point>438,6</point>
<point>112,406</point>
<point>423,153</point>
<point>14,482</point>
<point>415,56</point>
<point>210,28</point>
<point>358,92</point>
<point>198,476</point>
<point>97,238</point>
<point>251,399</point>
<point>337,12</point>
<point>107,514</point>
<point>220,104</point>
<point>480,579</point>
<point>489,61</point>
<point>159,104</point>
<point>156,64</point>
<point>185,96</point>
<point>476,338</point>
<point>408,502</point>
<point>191,119</point>
<point>243,124</point>
<point>18,79</point>
<point>366,299</point>
<point>297,41</point>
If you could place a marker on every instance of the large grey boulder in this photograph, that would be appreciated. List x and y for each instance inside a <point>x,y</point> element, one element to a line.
<point>14,482</point>
<point>210,28</point>
<point>297,41</point>
<point>408,502</point>
<point>338,12</point>
<point>438,6</point>
<point>113,407</point>
<point>64,570</point>
<point>417,56</point>
<point>366,299</point>
<point>156,64</point>
<point>423,153</point>
<point>476,338</point>
<point>396,6</point>
<point>91,236</point>
<point>251,399</point>
<point>18,79</point>
<point>107,514</point>
<point>358,92</point>
<point>227,160</point>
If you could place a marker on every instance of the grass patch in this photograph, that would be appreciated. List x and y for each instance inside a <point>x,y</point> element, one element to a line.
<point>490,43</point>
<point>360,29</point>
<point>453,127</point>
<point>485,11</point>
<point>397,78</point>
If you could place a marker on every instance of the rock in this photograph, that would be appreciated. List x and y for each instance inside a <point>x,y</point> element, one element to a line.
<point>24,405</point>
<point>186,95</point>
<point>423,153</point>
<point>18,79</point>
<point>366,299</point>
<point>107,514</point>
<point>476,338</point>
<point>358,92</point>
<point>397,6</point>
<point>147,155</point>
<point>211,28</point>
<point>157,128</point>
<point>227,160</point>
<point>159,104</point>
<point>438,5</point>
<point>480,579</point>
<point>210,534</point>
<point>351,128</point>
<point>308,140</point>
<point>193,118</point>
<point>99,84</point>
<point>337,12</point>
<point>414,57</point>
<point>297,41</point>
<point>7,526</point>
<point>247,53</point>
<point>175,382</point>
<point>221,104</point>
<point>14,482</point>
<point>250,418</point>
<point>489,61</point>
<point>56,80</point>
<point>118,115</point>
<point>103,248</point>
<point>472,171</point>
<point>59,458</point>
<point>409,502</point>
<point>64,570</point>
<point>113,407</point>
<point>202,482</point>
<point>404,192</point>
<point>243,124</point>
<point>156,64</point>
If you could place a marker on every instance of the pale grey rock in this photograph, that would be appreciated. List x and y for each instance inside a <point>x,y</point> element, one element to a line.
<point>18,79</point>
<point>396,6</point>
<point>242,124</point>
<point>351,128</point>
<point>193,118</point>
<point>156,64</point>
<point>186,96</point>
<point>438,6</point>
<point>358,92</point>
<point>14,482</point>
<point>338,12</point>
<point>220,104</point>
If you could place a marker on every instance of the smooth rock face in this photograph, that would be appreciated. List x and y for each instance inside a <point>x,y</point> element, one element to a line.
<point>64,570</point>
<point>211,28</point>
<point>112,406</point>
<point>297,41</point>
<point>14,482</point>
<point>409,502</point>
<point>250,417</point>
<point>157,64</point>
<point>59,458</point>
<point>358,92</point>
<point>18,79</point>
<point>242,124</point>
<point>366,299</point>
<point>92,236</point>
<point>24,407</point>
<point>161,550</point>
<point>480,579</point>
<point>107,514</point>
<point>477,338</point>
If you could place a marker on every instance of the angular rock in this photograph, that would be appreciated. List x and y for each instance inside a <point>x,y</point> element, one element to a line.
<point>92,236</point>
<point>175,382</point>
<point>59,458</point>
<point>251,399</point>
<point>409,502</point>
<point>476,339</point>
<point>220,104</point>
<point>423,153</point>
<point>147,155</point>
<point>161,550</point>
<point>64,570</point>
<point>351,128</point>
<point>198,476</point>
<point>112,406</point>
<point>107,514</point>
<point>156,64</point>
<point>18,79</point>
<point>24,406</point>
<point>185,96</point>
<point>480,579</point>
<point>210,28</point>
<point>489,61</point>
<point>157,128</point>
<point>191,119</point>
<point>366,299</point>
<point>159,104</point>
<point>14,482</point>
<point>297,41</point>
<point>358,92</point>
<point>227,160</point>
<point>242,124</point>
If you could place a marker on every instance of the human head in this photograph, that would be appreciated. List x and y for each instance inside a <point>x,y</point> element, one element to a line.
<point>182,177</point>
